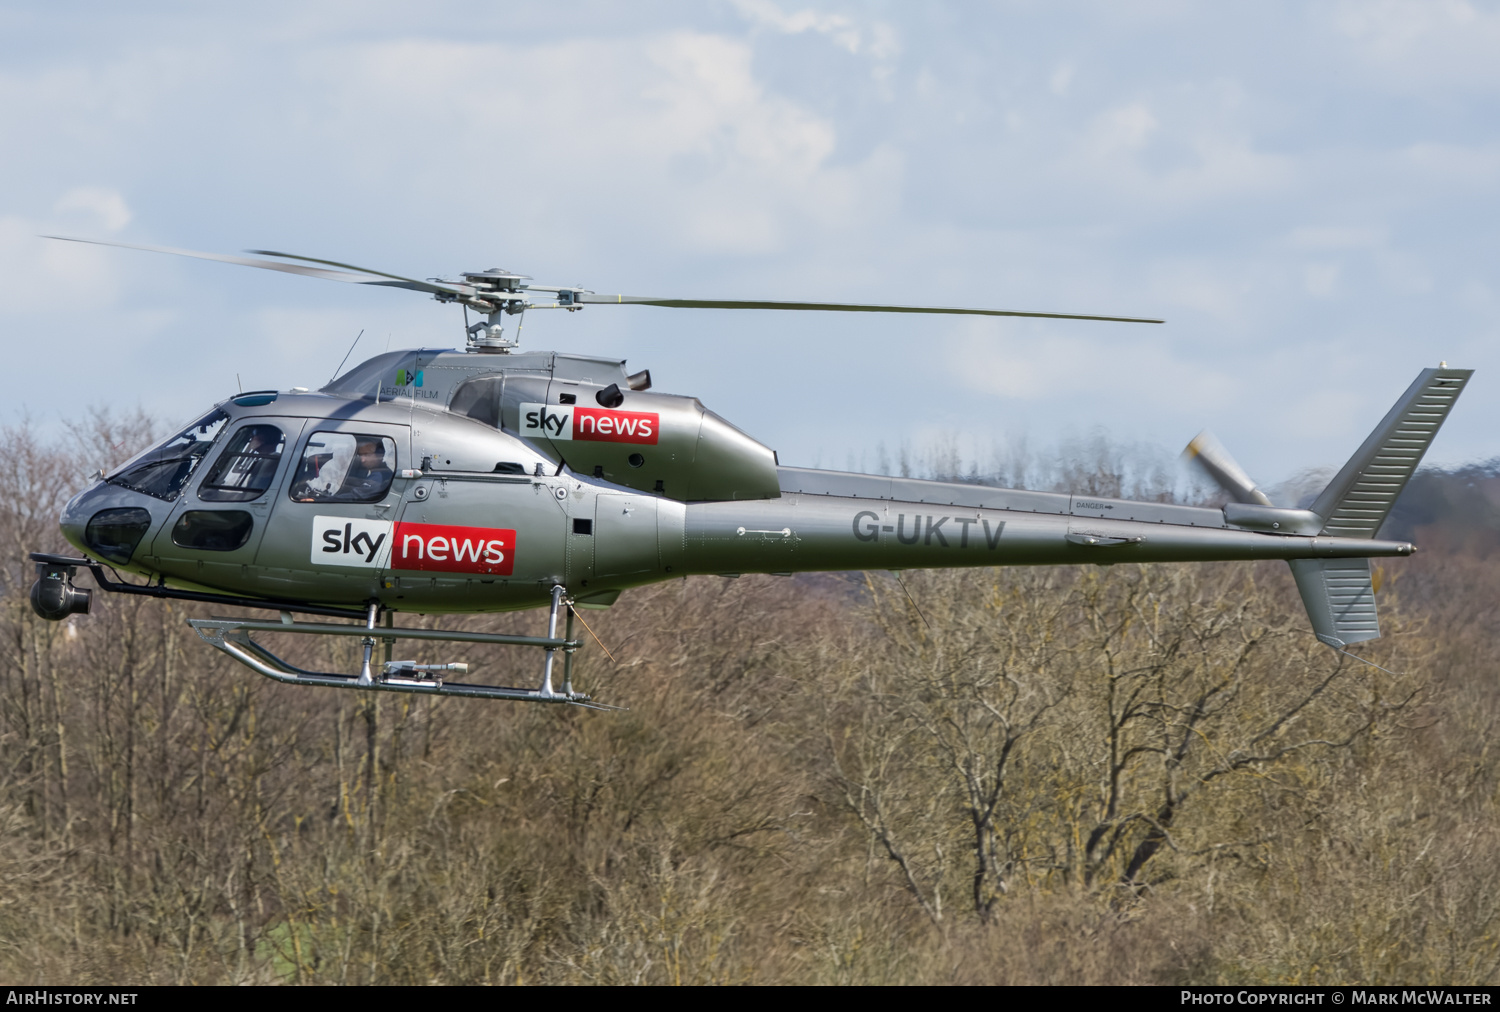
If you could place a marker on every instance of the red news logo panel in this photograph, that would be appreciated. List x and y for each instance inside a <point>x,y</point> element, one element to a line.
<point>487,551</point>
<point>606,426</point>
<point>595,425</point>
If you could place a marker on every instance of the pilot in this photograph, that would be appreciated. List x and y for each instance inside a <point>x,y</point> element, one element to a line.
<point>257,462</point>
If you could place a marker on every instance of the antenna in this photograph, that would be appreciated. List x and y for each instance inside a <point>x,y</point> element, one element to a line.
<point>347,354</point>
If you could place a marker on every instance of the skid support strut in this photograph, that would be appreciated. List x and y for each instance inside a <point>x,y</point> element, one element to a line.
<point>557,598</point>
<point>235,638</point>
<point>366,679</point>
<point>568,654</point>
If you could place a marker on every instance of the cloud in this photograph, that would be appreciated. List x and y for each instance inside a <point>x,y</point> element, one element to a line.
<point>877,40</point>
<point>1321,279</point>
<point>1472,166</point>
<point>1393,28</point>
<point>1020,367</point>
<point>1338,415</point>
<point>1171,150</point>
<point>1335,237</point>
<point>1125,128</point>
<point>35,273</point>
<point>107,206</point>
<point>670,137</point>
<point>1413,44</point>
<point>1061,79</point>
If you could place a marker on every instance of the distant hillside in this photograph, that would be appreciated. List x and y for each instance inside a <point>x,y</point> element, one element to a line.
<point>1450,512</point>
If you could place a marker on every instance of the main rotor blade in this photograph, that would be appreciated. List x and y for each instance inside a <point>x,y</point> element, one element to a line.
<point>837,307</point>
<point>412,283</point>
<point>365,278</point>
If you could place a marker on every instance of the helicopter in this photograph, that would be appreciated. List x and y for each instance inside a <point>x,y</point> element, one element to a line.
<point>494,479</point>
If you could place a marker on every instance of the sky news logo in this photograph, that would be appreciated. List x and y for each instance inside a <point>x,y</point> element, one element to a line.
<point>596,425</point>
<point>442,548</point>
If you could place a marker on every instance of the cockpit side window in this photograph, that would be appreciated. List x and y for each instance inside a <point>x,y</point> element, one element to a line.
<point>344,467</point>
<point>479,399</point>
<point>247,466</point>
<point>164,470</point>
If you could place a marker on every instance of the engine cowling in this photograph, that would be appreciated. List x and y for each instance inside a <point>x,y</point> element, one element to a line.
<point>661,443</point>
<point>587,412</point>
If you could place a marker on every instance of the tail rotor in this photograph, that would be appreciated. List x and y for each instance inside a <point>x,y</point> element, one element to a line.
<point>1209,454</point>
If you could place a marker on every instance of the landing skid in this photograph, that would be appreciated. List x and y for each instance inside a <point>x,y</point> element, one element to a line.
<point>234,637</point>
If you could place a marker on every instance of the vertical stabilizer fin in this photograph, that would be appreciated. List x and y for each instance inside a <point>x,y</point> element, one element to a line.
<point>1340,599</point>
<point>1360,497</point>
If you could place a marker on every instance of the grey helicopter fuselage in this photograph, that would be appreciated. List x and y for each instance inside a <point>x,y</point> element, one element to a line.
<point>449,482</point>
<point>489,480</point>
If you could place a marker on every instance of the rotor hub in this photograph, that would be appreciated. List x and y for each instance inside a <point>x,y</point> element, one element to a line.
<point>495,281</point>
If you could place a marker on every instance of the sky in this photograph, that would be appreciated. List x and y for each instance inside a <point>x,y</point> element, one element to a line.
<point>1306,192</point>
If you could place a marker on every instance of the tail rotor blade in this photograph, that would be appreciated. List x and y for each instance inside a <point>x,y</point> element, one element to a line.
<point>1210,455</point>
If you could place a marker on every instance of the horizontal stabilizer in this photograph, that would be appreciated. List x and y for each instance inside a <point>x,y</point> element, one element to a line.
<point>1361,495</point>
<point>1340,599</point>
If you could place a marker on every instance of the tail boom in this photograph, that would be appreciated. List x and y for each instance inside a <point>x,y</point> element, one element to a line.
<point>807,533</point>
<point>829,520</point>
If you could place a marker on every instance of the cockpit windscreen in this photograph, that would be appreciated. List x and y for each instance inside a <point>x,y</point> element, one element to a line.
<point>164,470</point>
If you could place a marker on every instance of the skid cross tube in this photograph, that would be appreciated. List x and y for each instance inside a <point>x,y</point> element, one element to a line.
<point>233,636</point>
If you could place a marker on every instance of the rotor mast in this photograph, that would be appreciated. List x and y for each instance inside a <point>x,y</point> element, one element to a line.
<point>497,293</point>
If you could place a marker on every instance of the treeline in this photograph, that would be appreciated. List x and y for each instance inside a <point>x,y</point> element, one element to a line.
<point>1126,774</point>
